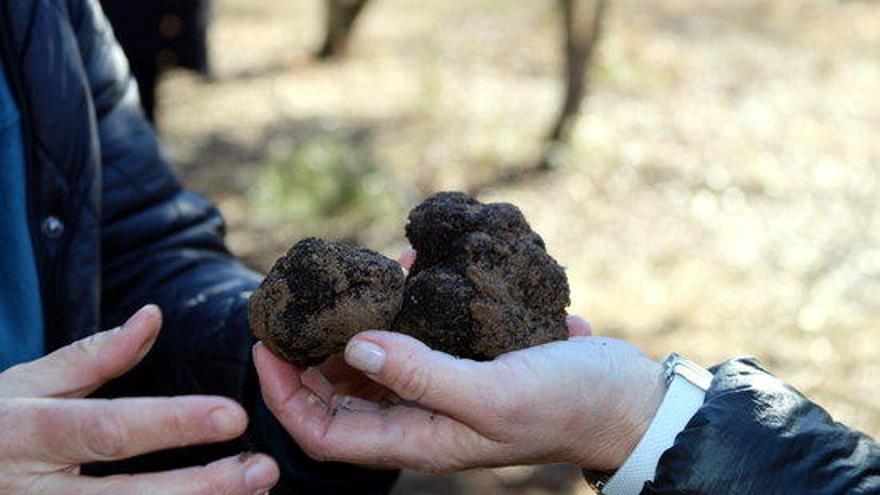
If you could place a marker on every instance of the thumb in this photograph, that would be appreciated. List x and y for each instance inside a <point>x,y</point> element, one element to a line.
<point>418,374</point>
<point>82,367</point>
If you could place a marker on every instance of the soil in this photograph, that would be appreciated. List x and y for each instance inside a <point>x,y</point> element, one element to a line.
<point>483,283</point>
<point>319,295</point>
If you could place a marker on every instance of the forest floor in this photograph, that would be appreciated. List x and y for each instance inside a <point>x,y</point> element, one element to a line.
<point>719,197</point>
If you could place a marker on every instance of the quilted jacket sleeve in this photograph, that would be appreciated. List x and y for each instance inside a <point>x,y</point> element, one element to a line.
<point>755,434</point>
<point>163,244</point>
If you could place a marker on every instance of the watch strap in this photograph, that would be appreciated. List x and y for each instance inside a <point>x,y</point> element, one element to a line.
<point>687,390</point>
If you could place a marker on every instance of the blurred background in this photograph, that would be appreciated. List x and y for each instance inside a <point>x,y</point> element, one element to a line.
<point>717,197</point>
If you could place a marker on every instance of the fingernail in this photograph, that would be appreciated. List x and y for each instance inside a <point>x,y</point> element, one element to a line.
<point>365,356</point>
<point>260,476</point>
<point>139,319</point>
<point>140,316</point>
<point>225,421</point>
<point>145,348</point>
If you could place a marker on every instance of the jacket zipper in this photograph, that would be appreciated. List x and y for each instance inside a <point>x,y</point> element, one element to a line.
<point>15,82</point>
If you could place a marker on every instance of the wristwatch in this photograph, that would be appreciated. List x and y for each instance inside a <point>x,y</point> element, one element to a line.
<point>686,384</point>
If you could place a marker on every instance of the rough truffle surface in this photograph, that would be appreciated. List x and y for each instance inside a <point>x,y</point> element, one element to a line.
<point>319,295</point>
<point>483,283</point>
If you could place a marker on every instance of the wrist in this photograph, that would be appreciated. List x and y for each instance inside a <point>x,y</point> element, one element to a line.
<point>637,401</point>
<point>649,388</point>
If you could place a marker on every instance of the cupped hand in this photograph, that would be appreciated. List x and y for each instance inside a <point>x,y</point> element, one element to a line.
<point>587,401</point>
<point>47,430</point>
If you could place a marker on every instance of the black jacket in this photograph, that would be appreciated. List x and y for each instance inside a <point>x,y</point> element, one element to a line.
<point>756,435</point>
<point>113,229</point>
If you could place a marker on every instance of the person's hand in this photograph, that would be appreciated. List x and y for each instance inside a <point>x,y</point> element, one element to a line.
<point>47,430</point>
<point>585,401</point>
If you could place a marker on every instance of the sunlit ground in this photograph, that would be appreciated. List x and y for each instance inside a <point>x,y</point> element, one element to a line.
<point>719,199</point>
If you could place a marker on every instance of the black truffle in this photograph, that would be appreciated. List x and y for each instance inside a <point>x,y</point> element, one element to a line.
<point>483,283</point>
<point>319,295</point>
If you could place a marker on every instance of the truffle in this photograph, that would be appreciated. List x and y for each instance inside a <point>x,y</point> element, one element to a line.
<point>319,295</point>
<point>483,283</point>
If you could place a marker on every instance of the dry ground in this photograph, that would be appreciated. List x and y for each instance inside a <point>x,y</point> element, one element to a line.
<point>719,199</point>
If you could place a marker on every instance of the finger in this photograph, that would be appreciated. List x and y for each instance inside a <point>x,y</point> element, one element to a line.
<point>76,431</point>
<point>281,384</point>
<point>343,377</point>
<point>354,430</point>
<point>578,327</point>
<point>317,383</point>
<point>279,380</point>
<point>346,380</point>
<point>82,367</point>
<point>459,387</point>
<point>241,475</point>
<point>407,259</point>
<point>336,370</point>
<point>401,437</point>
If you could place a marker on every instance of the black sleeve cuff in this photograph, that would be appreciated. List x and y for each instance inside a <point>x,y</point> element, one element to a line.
<point>755,434</point>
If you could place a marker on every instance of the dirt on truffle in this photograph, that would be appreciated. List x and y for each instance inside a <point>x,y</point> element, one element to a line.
<point>483,283</point>
<point>319,295</point>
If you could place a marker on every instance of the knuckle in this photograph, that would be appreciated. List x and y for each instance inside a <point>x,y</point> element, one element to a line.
<point>500,406</point>
<point>47,423</point>
<point>104,435</point>
<point>10,426</point>
<point>506,407</point>
<point>414,384</point>
<point>514,411</point>
<point>177,425</point>
<point>403,448</point>
<point>82,359</point>
<point>317,450</point>
<point>84,350</point>
<point>210,482</point>
<point>429,465</point>
<point>429,457</point>
<point>426,459</point>
<point>317,446</point>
